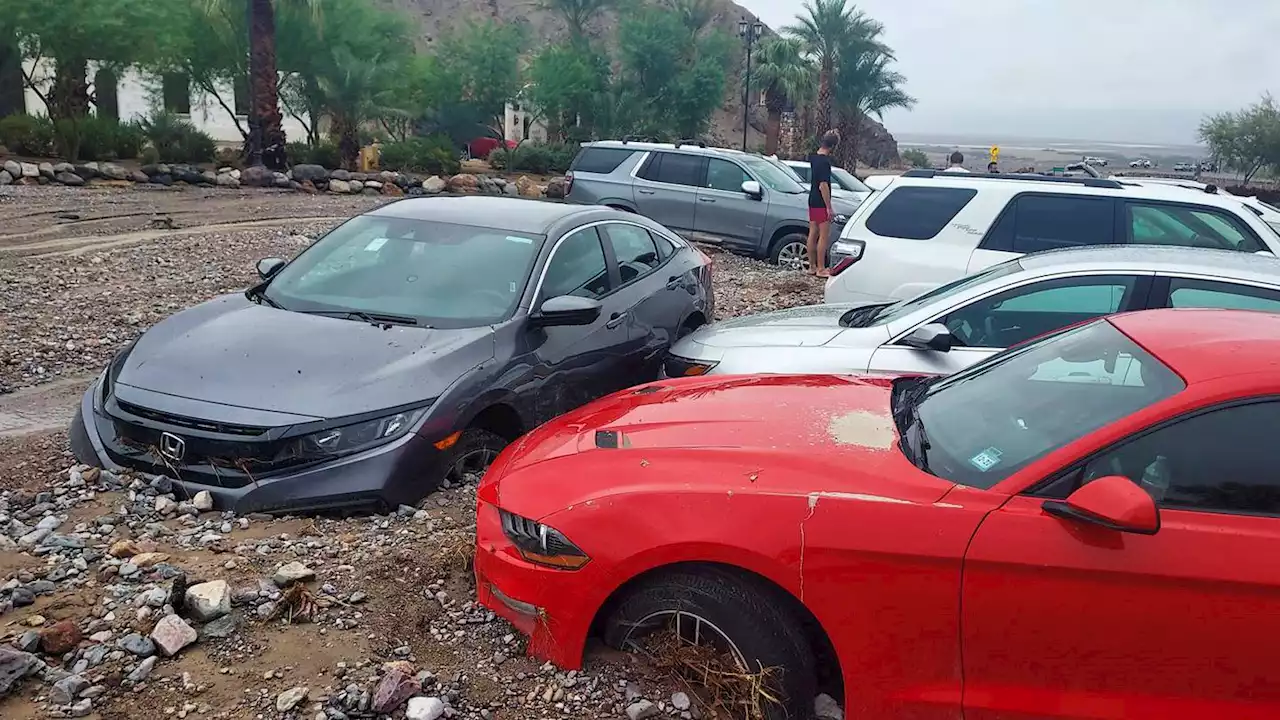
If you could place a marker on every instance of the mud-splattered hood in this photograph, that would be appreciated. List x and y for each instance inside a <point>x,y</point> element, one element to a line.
<point>773,434</point>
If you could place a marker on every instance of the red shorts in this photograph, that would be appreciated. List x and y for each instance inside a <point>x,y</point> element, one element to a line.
<point>819,215</point>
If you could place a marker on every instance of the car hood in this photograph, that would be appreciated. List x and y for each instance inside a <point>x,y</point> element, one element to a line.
<point>233,352</point>
<point>789,434</point>
<point>808,325</point>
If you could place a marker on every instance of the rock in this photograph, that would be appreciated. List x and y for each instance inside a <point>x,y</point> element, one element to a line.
<point>356,185</point>
<point>223,627</point>
<point>149,560</point>
<point>138,176</point>
<point>28,641</point>
<point>33,538</point>
<point>123,549</point>
<point>14,665</point>
<point>63,167</point>
<point>463,183</point>
<point>292,573</point>
<point>227,181</point>
<point>46,170</point>
<point>66,690</point>
<point>392,190</point>
<point>257,176</point>
<point>825,707</point>
<point>290,699</point>
<point>307,172</point>
<point>166,505</point>
<point>203,501</point>
<point>172,634</point>
<point>5,178</point>
<point>434,185</point>
<point>681,701</point>
<point>112,171</point>
<point>88,170</point>
<point>143,671</point>
<point>22,597</point>
<point>340,175</point>
<point>395,687</point>
<point>641,709</point>
<point>67,178</point>
<point>30,170</point>
<point>556,189</point>
<point>35,620</point>
<point>424,708</point>
<point>281,181</point>
<point>373,184</point>
<point>526,187</point>
<point>14,168</point>
<point>511,190</point>
<point>61,637</point>
<point>340,187</point>
<point>209,601</point>
<point>81,709</point>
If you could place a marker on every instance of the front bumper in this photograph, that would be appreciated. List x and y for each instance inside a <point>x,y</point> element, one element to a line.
<point>400,472</point>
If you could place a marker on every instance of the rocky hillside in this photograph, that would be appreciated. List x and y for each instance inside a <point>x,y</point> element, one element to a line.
<point>439,16</point>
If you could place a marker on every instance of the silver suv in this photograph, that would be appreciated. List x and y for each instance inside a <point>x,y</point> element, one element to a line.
<point>739,200</point>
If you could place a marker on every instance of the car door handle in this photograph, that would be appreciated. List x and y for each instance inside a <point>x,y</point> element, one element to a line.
<point>645,192</point>
<point>673,282</point>
<point>706,200</point>
<point>615,320</point>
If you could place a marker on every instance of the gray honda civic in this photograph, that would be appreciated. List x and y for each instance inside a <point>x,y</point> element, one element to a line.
<point>407,346</point>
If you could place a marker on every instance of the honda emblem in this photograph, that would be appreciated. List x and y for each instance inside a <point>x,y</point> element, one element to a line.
<point>172,446</point>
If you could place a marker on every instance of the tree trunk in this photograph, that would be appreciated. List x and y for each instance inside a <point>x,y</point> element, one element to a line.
<point>12,99</point>
<point>773,125</point>
<point>348,140</point>
<point>69,97</point>
<point>850,134</point>
<point>823,115</point>
<point>266,132</point>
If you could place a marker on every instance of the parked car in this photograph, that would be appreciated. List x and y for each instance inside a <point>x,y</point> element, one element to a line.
<point>1095,161</point>
<point>929,228</point>
<point>408,345</point>
<point>1054,532</point>
<point>1184,167</point>
<point>961,323</point>
<point>728,197</point>
<point>1140,163</point>
<point>879,182</point>
<point>837,189</point>
<point>841,178</point>
<point>1269,213</point>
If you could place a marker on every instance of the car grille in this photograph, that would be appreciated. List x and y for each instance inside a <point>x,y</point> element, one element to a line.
<point>191,423</point>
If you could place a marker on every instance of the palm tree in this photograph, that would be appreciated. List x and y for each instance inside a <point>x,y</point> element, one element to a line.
<point>266,131</point>
<point>354,90</point>
<point>823,28</point>
<point>866,85</point>
<point>578,14</point>
<point>786,77</point>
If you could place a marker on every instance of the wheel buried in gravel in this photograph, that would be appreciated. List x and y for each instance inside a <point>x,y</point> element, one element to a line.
<point>727,634</point>
<point>471,456</point>
<point>791,252</point>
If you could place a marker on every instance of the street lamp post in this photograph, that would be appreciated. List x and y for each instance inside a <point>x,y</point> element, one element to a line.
<point>750,32</point>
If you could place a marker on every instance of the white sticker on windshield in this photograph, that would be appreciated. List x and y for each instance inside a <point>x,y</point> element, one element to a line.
<point>375,244</point>
<point>521,240</point>
<point>513,286</point>
<point>986,459</point>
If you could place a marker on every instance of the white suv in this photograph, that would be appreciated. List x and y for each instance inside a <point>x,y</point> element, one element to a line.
<point>928,227</point>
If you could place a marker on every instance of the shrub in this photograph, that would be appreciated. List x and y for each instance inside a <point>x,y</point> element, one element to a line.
<point>434,154</point>
<point>325,154</point>
<point>109,139</point>
<point>27,135</point>
<point>177,140</point>
<point>915,157</point>
<point>537,158</point>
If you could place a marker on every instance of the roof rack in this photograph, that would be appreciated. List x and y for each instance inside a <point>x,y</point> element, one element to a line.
<point>1085,181</point>
<point>699,143</point>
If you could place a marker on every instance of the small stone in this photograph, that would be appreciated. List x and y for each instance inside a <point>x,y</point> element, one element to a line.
<point>81,709</point>
<point>28,641</point>
<point>123,549</point>
<point>424,708</point>
<point>14,666</point>
<point>209,601</point>
<point>681,701</point>
<point>825,707</point>
<point>266,610</point>
<point>172,634</point>
<point>137,644</point>
<point>35,620</point>
<point>641,710</point>
<point>395,687</point>
<point>292,573</point>
<point>61,637</point>
<point>66,690</point>
<point>223,627</point>
<point>22,597</point>
<point>143,671</point>
<point>290,699</point>
<point>166,505</point>
<point>148,560</point>
<point>203,501</point>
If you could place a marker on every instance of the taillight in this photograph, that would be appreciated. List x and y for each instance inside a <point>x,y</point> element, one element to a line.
<point>568,183</point>
<point>841,266</point>
<point>851,250</point>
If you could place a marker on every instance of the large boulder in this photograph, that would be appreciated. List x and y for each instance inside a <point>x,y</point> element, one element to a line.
<point>463,183</point>
<point>556,189</point>
<point>66,178</point>
<point>13,167</point>
<point>30,170</point>
<point>434,185</point>
<point>5,178</point>
<point>257,176</point>
<point>527,187</point>
<point>14,666</point>
<point>112,171</point>
<point>341,187</point>
<point>305,172</point>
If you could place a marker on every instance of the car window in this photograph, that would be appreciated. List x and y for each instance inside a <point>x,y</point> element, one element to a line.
<point>665,248</point>
<point>1192,293</point>
<point>848,180</point>
<point>1049,222</point>
<point>804,171</point>
<point>918,213</point>
<point>577,268</point>
<point>441,274</point>
<point>902,308</point>
<point>985,423</point>
<point>1186,226</point>
<point>772,176</point>
<point>673,169</point>
<point>634,249</point>
<point>1017,315</point>
<point>1224,460</point>
<point>724,175</point>
<point>600,159</point>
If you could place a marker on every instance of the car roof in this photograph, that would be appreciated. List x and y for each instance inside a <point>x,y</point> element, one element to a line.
<point>1193,342</point>
<point>514,214</point>
<point>1230,264</point>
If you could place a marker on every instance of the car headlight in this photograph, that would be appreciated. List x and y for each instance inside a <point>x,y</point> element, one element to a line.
<point>675,366</point>
<point>840,219</point>
<point>540,544</point>
<point>348,439</point>
<point>112,372</point>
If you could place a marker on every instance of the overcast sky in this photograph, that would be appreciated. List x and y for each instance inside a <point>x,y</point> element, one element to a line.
<point>1110,70</point>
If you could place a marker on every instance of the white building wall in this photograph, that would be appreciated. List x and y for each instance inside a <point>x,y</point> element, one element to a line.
<point>514,121</point>
<point>138,94</point>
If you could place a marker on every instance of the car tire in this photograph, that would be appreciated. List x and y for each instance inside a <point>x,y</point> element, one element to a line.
<point>785,249</point>
<point>749,614</point>
<point>475,450</point>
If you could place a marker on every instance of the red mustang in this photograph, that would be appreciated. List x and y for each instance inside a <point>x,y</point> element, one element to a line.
<point>1086,526</point>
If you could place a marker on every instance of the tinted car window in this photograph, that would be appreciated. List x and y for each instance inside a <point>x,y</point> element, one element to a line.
<point>918,213</point>
<point>673,168</point>
<point>1017,315</point>
<point>600,159</point>
<point>848,181</point>
<point>443,274</point>
<point>1188,227</point>
<point>1223,460</point>
<point>1190,293</point>
<point>985,423</point>
<point>1048,222</point>
<point>802,170</point>
<point>634,250</point>
<point>577,268</point>
<point>724,175</point>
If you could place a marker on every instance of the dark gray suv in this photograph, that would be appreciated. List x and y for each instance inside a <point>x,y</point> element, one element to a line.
<point>729,197</point>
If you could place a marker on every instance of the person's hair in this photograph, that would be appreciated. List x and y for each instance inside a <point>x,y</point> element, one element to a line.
<point>992,166</point>
<point>957,158</point>
<point>830,139</point>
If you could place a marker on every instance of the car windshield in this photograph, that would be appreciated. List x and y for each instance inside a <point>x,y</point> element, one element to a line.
<point>438,274</point>
<point>904,308</point>
<point>985,423</point>
<point>847,180</point>
<point>772,176</point>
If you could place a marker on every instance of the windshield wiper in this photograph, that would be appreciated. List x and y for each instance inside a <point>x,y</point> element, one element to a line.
<point>862,316</point>
<point>375,319</point>
<point>259,295</point>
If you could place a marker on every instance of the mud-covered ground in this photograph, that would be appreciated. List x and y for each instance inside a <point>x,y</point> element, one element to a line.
<point>82,272</point>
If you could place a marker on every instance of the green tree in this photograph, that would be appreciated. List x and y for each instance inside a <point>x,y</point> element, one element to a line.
<point>916,157</point>
<point>866,85</point>
<point>1248,140</point>
<point>483,60</point>
<point>567,83</point>
<point>786,78</point>
<point>579,15</point>
<point>266,144</point>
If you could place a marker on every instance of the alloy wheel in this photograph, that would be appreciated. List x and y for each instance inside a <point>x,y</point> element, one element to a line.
<point>689,628</point>
<point>474,463</point>
<point>794,256</point>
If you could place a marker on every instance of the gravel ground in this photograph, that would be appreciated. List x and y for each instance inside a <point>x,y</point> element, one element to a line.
<point>86,602</point>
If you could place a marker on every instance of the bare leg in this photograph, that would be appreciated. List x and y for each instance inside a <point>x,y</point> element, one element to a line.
<point>824,242</point>
<point>811,246</point>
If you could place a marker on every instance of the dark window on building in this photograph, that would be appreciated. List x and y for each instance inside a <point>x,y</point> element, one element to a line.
<point>106,89</point>
<point>918,213</point>
<point>176,91</point>
<point>240,92</point>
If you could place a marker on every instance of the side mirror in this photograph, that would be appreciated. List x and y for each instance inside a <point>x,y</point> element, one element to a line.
<point>566,310</point>
<point>752,189</point>
<point>934,336</point>
<point>1113,502</point>
<point>268,267</point>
